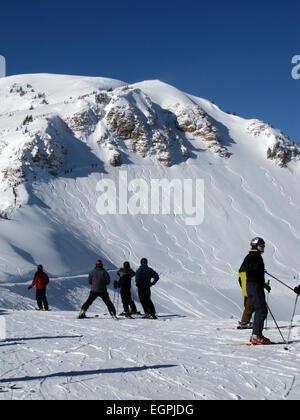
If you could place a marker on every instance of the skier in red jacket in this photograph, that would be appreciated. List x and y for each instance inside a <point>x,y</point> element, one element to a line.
<point>41,280</point>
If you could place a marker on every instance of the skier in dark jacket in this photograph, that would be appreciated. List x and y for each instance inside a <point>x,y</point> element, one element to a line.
<point>126,273</point>
<point>41,280</point>
<point>143,278</point>
<point>98,279</point>
<point>253,266</point>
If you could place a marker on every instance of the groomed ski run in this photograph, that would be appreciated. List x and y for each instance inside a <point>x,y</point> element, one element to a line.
<point>56,356</point>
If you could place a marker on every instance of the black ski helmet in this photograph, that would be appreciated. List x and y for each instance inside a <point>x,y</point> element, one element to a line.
<point>257,242</point>
<point>126,265</point>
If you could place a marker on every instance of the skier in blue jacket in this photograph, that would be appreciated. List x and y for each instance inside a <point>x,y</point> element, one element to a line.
<point>143,278</point>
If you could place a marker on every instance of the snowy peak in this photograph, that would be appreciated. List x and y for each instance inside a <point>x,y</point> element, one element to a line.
<point>279,147</point>
<point>23,91</point>
<point>126,120</point>
<point>133,122</point>
<point>46,118</point>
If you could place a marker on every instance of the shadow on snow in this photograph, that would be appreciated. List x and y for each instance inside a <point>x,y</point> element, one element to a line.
<point>75,373</point>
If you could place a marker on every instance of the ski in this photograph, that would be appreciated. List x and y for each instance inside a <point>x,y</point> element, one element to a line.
<point>130,315</point>
<point>126,315</point>
<point>282,327</point>
<point>141,316</point>
<point>244,328</point>
<point>250,328</point>
<point>98,317</point>
<point>233,328</point>
<point>272,343</point>
<point>238,327</point>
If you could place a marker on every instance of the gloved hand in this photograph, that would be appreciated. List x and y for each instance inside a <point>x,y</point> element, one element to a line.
<point>115,284</point>
<point>268,287</point>
<point>29,287</point>
<point>297,290</point>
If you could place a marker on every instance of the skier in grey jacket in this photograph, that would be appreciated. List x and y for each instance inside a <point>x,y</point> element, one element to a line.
<point>98,279</point>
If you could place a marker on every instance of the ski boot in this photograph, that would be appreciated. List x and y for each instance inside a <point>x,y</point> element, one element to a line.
<point>245,325</point>
<point>82,314</point>
<point>257,340</point>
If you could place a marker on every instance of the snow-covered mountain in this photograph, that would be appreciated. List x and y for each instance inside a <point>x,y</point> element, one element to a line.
<point>68,142</point>
<point>61,135</point>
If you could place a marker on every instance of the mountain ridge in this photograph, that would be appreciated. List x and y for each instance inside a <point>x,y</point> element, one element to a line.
<point>59,155</point>
<point>113,114</point>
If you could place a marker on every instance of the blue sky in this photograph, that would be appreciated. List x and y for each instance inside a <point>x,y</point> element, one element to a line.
<point>236,53</point>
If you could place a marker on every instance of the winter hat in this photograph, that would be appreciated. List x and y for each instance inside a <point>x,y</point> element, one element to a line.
<point>98,262</point>
<point>126,265</point>
<point>40,267</point>
<point>144,261</point>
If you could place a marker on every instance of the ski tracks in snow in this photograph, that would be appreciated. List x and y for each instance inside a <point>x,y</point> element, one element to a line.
<point>56,356</point>
<point>258,199</point>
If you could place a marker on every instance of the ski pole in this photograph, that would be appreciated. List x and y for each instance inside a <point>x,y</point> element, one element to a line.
<point>267,304</point>
<point>279,280</point>
<point>291,324</point>
<point>118,296</point>
<point>114,298</point>
<point>276,325</point>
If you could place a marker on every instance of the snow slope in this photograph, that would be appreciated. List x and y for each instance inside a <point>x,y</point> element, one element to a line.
<point>55,356</point>
<point>60,137</point>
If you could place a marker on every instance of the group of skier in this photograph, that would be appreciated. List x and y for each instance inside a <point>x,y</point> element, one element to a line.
<point>99,279</point>
<point>251,279</point>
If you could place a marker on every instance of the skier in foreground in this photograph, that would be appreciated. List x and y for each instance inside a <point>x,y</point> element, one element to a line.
<point>41,280</point>
<point>143,278</point>
<point>254,268</point>
<point>126,273</point>
<point>98,279</point>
